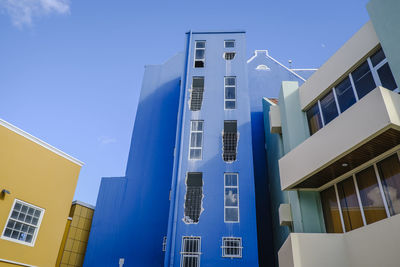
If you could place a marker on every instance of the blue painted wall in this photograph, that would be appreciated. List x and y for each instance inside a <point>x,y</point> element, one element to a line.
<point>131,213</point>
<point>265,75</point>
<point>211,227</point>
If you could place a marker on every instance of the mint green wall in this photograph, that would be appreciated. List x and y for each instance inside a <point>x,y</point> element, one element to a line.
<point>385,18</point>
<point>306,207</point>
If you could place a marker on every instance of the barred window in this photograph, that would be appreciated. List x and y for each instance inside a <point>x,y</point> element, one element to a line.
<point>194,196</point>
<point>23,223</point>
<point>190,251</point>
<point>196,140</point>
<point>196,94</point>
<point>230,92</point>
<point>164,244</point>
<point>231,197</point>
<point>229,140</point>
<point>229,55</point>
<point>199,54</point>
<point>232,247</point>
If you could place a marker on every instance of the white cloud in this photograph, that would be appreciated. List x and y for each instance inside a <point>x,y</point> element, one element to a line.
<point>22,12</point>
<point>105,140</point>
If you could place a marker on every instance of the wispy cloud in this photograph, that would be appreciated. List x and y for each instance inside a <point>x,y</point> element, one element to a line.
<point>22,12</point>
<point>105,140</point>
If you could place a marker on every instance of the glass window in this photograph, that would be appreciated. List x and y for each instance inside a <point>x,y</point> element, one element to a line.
<point>330,209</point>
<point>386,77</point>
<point>229,43</point>
<point>196,140</point>
<point>232,247</point>
<point>314,119</point>
<point>378,57</point>
<point>193,197</point>
<point>389,171</point>
<point>345,94</point>
<point>329,108</point>
<point>199,54</point>
<point>23,224</point>
<point>190,252</point>
<point>230,92</point>
<point>363,80</point>
<point>349,203</point>
<point>229,55</point>
<point>370,195</point>
<point>229,141</point>
<point>196,93</point>
<point>231,197</point>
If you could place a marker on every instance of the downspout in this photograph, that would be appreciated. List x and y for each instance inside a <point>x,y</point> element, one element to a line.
<point>173,207</point>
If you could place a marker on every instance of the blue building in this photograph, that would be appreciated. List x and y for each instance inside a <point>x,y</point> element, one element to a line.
<point>197,169</point>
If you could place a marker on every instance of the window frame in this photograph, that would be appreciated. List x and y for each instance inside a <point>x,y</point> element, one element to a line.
<point>190,254</point>
<point>238,196</point>
<point>228,41</point>
<point>230,86</point>
<point>375,77</point>
<point>240,247</point>
<point>31,244</point>
<point>190,140</point>
<point>194,55</point>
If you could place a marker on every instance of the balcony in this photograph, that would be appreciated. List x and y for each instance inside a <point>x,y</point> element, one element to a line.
<point>367,129</point>
<point>373,245</point>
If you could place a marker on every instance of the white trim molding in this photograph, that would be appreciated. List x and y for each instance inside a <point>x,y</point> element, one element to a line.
<point>17,263</point>
<point>40,142</point>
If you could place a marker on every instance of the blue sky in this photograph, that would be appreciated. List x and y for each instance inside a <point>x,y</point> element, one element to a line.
<point>71,71</point>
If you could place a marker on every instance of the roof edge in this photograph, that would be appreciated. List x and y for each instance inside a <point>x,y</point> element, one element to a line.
<point>83,204</point>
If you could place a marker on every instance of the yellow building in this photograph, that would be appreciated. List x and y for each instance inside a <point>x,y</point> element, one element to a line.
<point>76,235</point>
<point>37,184</point>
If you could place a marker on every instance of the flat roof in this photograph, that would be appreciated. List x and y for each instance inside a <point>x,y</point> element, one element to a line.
<point>39,142</point>
<point>83,204</point>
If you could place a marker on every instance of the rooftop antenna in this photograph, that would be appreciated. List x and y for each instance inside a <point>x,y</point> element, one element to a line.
<point>290,63</point>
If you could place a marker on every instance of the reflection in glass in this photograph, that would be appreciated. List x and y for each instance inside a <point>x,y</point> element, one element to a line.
<point>389,171</point>
<point>363,80</point>
<point>331,211</point>
<point>329,108</point>
<point>349,204</point>
<point>371,198</point>
<point>377,57</point>
<point>314,119</point>
<point>386,77</point>
<point>345,94</point>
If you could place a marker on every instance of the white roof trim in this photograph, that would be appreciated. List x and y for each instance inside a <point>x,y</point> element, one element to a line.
<point>17,263</point>
<point>304,69</point>
<point>83,204</point>
<point>269,101</point>
<point>39,142</point>
<point>256,53</point>
<point>286,68</point>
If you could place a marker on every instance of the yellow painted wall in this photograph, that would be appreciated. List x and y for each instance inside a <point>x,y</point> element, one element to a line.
<point>73,252</point>
<point>38,176</point>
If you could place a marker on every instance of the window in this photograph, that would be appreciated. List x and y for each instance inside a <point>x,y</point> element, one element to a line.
<point>231,197</point>
<point>200,51</point>
<point>229,140</point>
<point>363,80</point>
<point>190,251</point>
<point>368,196</point>
<point>196,140</point>
<point>232,247</point>
<point>389,171</point>
<point>196,96</point>
<point>229,55</point>
<point>194,196</point>
<point>230,93</point>
<point>164,244</point>
<point>345,94</point>
<point>229,43</point>
<point>328,107</point>
<point>314,119</point>
<point>23,223</point>
<point>373,72</point>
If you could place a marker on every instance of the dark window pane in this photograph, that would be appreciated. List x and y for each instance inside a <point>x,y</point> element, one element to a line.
<point>371,198</point>
<point>199,64</point>
<point>349,204</point>
<point>386,77</point>
<point>231,214</point>
<point>231,180</point>
<point>230,104</point>
<point>193,198</point>
<point>389,171</point>
<point>328,106</point>
<point>314,119</point>
<point>17,206</point>
<point>7,232</point>
<point>229,55</point>
<point>330,209</point>
<point>377,57</point>
<point>229,44</point>
<point>230,93</point>
<point>200,54</point>
<point>230,80</point>
<point>345,94</point>
<point>200,44</point>
<point>363,80</point>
